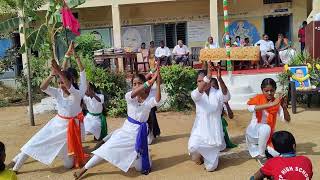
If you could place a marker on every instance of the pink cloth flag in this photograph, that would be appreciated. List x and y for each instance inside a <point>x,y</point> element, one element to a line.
<point>69,21</point>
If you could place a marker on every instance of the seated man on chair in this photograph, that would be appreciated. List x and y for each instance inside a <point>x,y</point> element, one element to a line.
<point>181,53</point>
<point>163,54</point>
<point>267,50</point>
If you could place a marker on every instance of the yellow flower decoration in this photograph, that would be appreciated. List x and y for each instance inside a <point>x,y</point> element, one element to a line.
<point>309,66</point>
<point>301,79</point>
<point>318,66</point>
<point>286,67</point>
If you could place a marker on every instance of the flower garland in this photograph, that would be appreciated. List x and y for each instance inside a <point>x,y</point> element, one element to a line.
<point>302,79</point>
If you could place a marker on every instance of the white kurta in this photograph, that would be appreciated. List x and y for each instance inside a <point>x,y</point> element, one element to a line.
<point>207,133</point>
<point>92,124</point>
<point>119,150</point>
<point>252,132</point>
<point>286,55</point>
<point>51,140</point>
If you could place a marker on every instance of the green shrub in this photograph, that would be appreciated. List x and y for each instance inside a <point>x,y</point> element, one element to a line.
<point>3,103</point>
<point>87,44</point>
<point>113,85</point>
<point>179,81</point>
<point>40,69</point>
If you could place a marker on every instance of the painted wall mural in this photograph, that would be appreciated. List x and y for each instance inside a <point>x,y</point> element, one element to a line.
<point>133,36</point>
<point>103,34</point>
<point>244,29</point>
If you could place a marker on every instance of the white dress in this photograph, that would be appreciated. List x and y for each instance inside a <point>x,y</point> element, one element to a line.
<point>51,140</point>
<point>287,55</point>
<point>92,124</point>
<point>252,132</point>
<point>119,150</point>
<point>207,133</point>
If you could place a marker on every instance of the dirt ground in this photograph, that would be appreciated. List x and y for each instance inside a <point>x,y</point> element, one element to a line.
<point>169,153</point>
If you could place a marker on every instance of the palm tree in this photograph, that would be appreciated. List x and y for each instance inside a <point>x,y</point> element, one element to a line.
<point>24,11</point>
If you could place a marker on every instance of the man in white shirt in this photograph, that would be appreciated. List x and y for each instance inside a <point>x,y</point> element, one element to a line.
<point>181,53</point>
<point>211,44</point>
<point>163,54</point>
<point>267,50</point>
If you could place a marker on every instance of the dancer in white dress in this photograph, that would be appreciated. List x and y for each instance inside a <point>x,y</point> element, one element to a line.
<point>229,113</point>
<point>128,146</point>
<point>206,138</point>
<point>94,121</point>
<point>153,126</point>
<point>265,108</point>
<point>61,135</point>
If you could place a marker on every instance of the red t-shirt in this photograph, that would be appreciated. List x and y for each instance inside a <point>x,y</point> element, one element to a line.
<point>302,35</point>
<point>288,168</point>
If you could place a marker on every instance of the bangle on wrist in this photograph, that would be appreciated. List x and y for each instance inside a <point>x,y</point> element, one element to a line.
<point>152,71</point>
<point>147,84</point>
<point>67,56</point>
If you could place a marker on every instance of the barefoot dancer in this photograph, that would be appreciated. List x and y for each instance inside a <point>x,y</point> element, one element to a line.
<point>66,66</point>
<point>206,138</point>
<point>226,111</point>
<point>265,108</point>
<point>61,135</point>
<point>154,129</point>
<point>128,146</point>
<point>95,121</point>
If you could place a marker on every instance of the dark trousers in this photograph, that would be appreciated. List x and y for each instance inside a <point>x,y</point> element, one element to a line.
<point>303,45</point>
<point>164,61</point>
<point>153,123</point>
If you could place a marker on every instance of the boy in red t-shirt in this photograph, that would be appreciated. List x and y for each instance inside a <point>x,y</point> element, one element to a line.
<point>287,166</point>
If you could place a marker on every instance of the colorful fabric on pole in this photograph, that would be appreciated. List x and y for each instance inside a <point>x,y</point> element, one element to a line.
<point>226,31</point>
<point>69,21</point>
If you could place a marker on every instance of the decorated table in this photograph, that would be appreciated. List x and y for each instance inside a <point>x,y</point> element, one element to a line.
<point>250,53</point>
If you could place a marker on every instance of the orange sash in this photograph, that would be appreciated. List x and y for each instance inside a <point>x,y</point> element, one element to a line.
<point>261,99</point>
<point>74,139</point>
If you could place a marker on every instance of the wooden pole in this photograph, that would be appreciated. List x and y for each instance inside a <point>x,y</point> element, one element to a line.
<point>31,115</point>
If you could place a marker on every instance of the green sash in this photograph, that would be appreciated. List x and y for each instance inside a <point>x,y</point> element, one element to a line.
<point>226,135</point>
<point>104,127</point>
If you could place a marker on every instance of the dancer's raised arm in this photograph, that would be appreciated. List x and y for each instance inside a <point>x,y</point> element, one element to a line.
<point>146,85</point>
<point>60,73</point>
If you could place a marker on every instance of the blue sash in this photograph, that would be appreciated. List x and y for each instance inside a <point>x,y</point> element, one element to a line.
<point>142,145</point>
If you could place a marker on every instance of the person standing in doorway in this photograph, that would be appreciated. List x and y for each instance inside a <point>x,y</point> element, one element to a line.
<point>301,35</point>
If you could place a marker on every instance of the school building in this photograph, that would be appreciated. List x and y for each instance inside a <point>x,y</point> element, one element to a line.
<point>127,23</point>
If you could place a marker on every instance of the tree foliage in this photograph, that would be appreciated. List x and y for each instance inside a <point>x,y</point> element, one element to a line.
<point>24,11</point>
